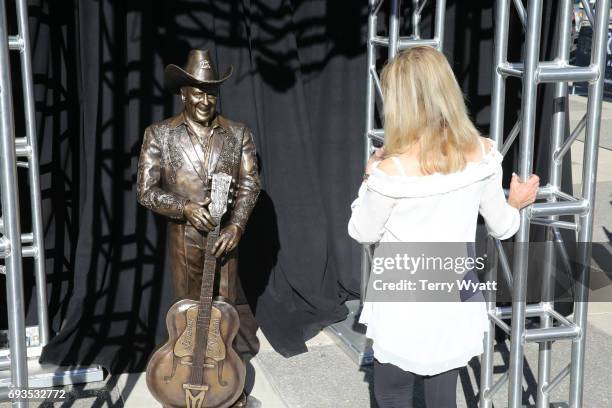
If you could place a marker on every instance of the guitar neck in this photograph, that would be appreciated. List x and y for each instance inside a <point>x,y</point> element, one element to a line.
<point>208,278</point>
<point>205,306</point>
<point>219,195</point>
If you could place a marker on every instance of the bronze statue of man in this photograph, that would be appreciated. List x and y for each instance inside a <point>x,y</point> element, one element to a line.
<point>177,158</point>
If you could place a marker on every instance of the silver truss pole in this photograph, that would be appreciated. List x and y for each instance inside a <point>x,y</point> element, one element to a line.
<point>33,168</point>
<point>416,18</point>
<point>521,253</point>
<point>11,239</point>
<point>498,93</point>
<point>374,5</point>
<point>393,28</point>
<point>486,364</point>
<point>439,24</point>
<point>500,56</point>
<point>555,168</point>
<point>589,177</point>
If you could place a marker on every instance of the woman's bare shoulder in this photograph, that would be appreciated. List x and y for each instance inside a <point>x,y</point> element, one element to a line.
<point>409,165</point>
<point>488,143</point>
<point>388,167</point>
<point>476,154</point>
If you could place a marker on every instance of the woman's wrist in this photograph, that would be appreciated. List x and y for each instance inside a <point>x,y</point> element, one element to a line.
<point>514,203</point>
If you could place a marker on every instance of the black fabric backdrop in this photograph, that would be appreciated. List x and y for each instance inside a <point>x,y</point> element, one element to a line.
<point>299,83</point>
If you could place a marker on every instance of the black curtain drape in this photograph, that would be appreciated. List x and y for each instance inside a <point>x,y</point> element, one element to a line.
<point>299,83</point>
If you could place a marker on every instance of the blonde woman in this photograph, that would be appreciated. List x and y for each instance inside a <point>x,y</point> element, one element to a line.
<point>436,174</point>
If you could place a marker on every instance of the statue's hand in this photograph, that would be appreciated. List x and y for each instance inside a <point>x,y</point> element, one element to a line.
<point>198,215</point>
<point>228,240</point>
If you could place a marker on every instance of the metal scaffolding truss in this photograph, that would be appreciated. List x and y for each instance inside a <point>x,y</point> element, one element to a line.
<point>553,326</point>
<point>394,42</point>
<point>15,369</point>
<point>12,242</point>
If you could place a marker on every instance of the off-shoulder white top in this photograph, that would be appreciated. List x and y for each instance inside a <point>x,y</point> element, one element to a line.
<point>428,338</point>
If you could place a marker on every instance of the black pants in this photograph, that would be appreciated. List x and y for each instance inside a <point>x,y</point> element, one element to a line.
<point>394,387</point>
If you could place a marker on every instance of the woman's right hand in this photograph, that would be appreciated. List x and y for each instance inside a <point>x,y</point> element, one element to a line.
<point>523,193</point>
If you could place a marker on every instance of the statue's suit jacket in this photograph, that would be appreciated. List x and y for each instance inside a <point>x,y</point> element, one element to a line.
<point>173,169</point>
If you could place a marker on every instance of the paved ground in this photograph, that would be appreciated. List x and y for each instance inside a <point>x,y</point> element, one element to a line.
<point>326,377</point>
<point>578,108</point>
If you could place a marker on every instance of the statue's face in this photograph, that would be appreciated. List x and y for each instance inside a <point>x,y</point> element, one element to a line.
<point>200,105</point>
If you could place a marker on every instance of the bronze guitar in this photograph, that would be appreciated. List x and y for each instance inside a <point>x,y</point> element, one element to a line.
<point>198,367</point>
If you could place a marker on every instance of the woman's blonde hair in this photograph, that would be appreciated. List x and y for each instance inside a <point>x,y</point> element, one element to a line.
<point>424,106</point>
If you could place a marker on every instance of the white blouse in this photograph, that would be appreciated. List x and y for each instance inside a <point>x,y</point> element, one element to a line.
<point>428,338</point>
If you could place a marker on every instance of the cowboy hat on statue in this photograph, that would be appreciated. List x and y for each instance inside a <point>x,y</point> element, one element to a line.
<point>199,71</point>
